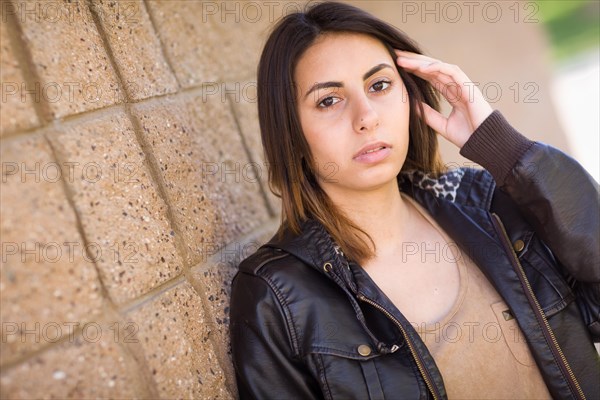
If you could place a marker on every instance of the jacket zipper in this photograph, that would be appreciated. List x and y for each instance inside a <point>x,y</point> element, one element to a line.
<point>547,331</point>
<point>416,356</point>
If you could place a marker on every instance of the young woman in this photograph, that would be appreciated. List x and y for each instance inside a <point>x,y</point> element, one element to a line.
<point>391,276</point>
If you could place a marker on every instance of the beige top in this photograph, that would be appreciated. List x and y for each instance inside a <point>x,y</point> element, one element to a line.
<point>478,346</point>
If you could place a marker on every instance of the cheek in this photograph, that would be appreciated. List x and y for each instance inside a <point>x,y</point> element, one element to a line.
<point>324,147</point>
<point>330,153</point>
<point>401,103</point>
<point>320,136</point>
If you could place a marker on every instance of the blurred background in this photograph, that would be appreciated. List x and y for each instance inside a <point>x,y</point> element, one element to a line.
<point>573,28</point>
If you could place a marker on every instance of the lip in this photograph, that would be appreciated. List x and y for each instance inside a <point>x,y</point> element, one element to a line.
<point>374,156</point>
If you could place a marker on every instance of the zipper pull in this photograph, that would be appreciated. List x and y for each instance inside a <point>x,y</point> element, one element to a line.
<point>385,349</point>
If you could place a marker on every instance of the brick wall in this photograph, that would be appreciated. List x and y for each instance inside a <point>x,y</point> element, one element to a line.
<point>128,140</point>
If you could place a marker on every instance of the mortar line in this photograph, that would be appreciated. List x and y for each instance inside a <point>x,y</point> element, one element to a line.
<point>89,115</point>
<point>37,352</point>
<point>52,344</point>
<point>105,43</point>
<point>23,55</point>
<point>249,155</point>
<point>160,41</point>
<point>152,294</point>
<point>78,223</point>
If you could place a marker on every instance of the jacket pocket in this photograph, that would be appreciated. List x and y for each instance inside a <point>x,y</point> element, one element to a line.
<point>365,374</point>
<point>545,277</point>
<point>513,337</point>
<point>342,374</point>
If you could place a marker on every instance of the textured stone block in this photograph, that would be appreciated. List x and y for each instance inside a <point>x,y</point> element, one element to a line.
<point>205,170</point>
<point>119,205</point>
<point>69,57</point>
<point>17,112</point>
<point>174,334</point>
<point>136,48</point>
<point>190,41</point>
<point>90,364</point>
<point>46,276</point>
<point>243,27</point>
<point>215,41</point>
<point>239,186</point>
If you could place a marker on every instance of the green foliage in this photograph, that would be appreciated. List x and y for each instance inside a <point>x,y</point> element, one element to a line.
<point>553,9</point>
<point>573,25</point>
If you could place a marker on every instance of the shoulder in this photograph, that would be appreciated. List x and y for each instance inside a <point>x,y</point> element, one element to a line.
<point>273,288</point>
<point>263,256</point>
<point>287,276</point>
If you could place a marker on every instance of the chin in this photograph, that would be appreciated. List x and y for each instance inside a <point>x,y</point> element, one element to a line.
<point>375,179</point>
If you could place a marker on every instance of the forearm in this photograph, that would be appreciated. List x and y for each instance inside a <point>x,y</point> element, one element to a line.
<point>556,195</point>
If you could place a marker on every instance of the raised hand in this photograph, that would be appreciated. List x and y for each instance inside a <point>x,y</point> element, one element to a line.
<point>469,107</point>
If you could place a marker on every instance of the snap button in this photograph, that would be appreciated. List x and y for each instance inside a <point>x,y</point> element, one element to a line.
<point>364,350</point>
<point>327,267</point>
<point>518,245</point>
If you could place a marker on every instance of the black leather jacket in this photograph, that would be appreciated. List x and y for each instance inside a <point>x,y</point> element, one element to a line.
<point>306,323</point>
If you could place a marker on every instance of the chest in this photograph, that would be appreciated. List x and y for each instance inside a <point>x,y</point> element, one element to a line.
<point>422,279</point>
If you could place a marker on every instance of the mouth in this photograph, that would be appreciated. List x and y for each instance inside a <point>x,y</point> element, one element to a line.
<point>372,153</point>
<point>372,148</point>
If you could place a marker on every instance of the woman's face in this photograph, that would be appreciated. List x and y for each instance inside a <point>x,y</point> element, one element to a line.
<point>351,100</point>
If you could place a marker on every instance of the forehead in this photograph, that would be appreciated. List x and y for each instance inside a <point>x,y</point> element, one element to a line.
<point>341,53</point>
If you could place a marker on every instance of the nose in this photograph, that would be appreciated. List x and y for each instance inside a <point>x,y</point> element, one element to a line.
<point>366,118</point>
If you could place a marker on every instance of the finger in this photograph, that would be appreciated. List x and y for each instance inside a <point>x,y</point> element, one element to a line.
<point>414,62</point>
<point>434,119</point>
<point>424,68</point>
<point>447,79</point>
<point>410,54</point>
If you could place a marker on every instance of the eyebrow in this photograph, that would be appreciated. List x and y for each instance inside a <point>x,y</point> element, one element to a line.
<point>324,85</point>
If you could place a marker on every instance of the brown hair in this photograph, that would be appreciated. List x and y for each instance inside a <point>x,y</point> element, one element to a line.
<point>291,172</point>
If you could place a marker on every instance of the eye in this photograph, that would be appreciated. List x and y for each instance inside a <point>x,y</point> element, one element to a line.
<point>380,86</point>
<point>328,102</point>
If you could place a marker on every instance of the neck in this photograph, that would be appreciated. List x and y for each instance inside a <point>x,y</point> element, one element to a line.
<point>382,213</point>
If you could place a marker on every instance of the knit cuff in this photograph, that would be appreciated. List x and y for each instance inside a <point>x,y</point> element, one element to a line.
<point>496,146</point>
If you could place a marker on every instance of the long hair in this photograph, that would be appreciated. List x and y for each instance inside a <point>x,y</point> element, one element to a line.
<point>291,169</point>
